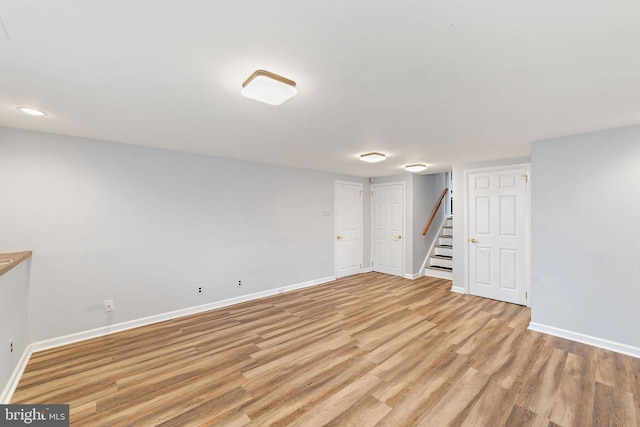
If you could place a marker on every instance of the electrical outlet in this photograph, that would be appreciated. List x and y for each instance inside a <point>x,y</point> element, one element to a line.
<point>199,290</point>
<point>11,345</point>
<point>239,282</point>
<point>108,305</point>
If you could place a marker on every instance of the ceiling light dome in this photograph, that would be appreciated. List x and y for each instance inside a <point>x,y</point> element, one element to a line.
<point>267,87</point>
<point>32,111</point>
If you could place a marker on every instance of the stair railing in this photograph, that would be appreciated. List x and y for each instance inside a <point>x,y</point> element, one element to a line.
<point>435,211</point>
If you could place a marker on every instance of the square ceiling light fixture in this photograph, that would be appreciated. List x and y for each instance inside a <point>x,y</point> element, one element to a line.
<point>372,157</point>
<point>418,167</point>
<point>269,88</point>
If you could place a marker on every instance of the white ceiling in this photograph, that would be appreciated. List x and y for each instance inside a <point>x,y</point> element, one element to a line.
<point>421,80</point>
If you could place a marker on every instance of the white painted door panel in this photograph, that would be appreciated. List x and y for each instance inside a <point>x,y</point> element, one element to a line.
<point>388,214</point>
<point>497,218</point>
<point>348,228</point>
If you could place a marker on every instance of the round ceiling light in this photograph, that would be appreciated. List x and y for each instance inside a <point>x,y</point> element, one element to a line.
<point>32,111</point>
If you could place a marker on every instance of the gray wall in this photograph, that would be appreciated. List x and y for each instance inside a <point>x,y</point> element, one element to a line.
<point>146,227</point>
<point>13,320</point>
<point>586,234</point>
<point>427,189</point>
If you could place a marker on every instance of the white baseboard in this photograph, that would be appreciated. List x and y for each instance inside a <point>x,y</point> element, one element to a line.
<point>14,379</point>
<point>367,270</point>
<point>458,290</point>
<point>119,327</point>
<point>432,272</point>
<point>586,339</point>
<point>411,276</point>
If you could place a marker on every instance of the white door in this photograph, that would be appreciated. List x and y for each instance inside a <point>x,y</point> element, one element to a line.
<point>348,228</point>
<point>387,224</point>
<point>497,224</point>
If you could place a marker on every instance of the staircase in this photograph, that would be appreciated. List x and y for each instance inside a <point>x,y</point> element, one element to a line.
<point>440,261</point>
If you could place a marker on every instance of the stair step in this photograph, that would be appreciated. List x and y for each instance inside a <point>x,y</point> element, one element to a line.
<point>445,240</point>
<point>436,267</point>
<point>439,273</point>
<point>442,250</point>
<point>440,261</point>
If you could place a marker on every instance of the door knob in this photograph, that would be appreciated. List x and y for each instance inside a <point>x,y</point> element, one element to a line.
<point>338,237</point>
<point>398,237</point>
<point>472,240</point>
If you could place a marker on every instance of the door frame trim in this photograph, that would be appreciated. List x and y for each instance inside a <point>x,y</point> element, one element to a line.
<point>527,233</point>
<point>335,226</point>
<point>404,215</point>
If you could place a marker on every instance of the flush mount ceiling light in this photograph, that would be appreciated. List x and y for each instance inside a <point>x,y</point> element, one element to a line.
<point>418,167</point>
<point>372,157</point>
<point>32,111</point>
<point>269,88</point>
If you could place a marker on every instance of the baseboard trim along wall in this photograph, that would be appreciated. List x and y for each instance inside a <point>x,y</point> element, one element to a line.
<point>411,276</point>
<point>586,339</point>
<point>14,379</point>
<point>458,290</point>
<point>119,327</point>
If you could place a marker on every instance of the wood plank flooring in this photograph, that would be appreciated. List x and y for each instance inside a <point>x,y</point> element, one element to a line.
<point>368,350</point>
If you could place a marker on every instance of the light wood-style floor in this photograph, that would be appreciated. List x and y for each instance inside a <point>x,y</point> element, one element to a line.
<point>368,350</point>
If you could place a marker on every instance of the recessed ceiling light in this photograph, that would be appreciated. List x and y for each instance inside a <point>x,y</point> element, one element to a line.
<point>32,111</point>
<point>372,157</point>
<point>269,88</point>
<point>418,167</point>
